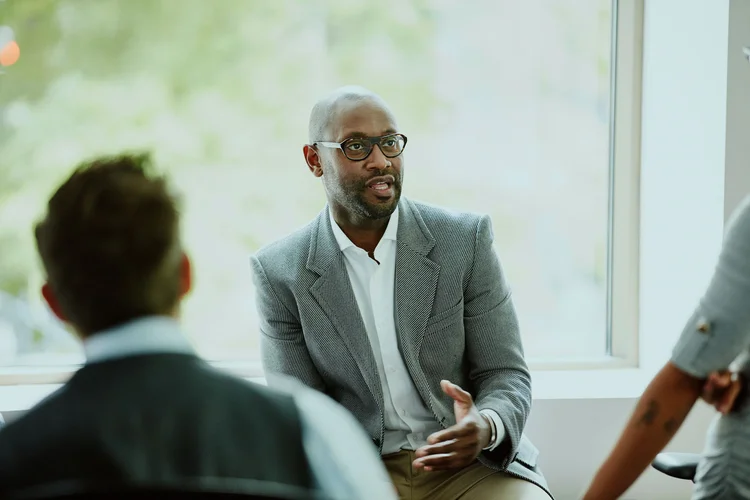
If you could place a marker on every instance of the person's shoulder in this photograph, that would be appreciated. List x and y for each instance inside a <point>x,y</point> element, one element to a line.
<point>319,411</point>
<point>297,239</point>
<point>52,408</point>
<point>440,219</point>
<point>233,384</point>
<point>738,225</point>
<point>291,248</point>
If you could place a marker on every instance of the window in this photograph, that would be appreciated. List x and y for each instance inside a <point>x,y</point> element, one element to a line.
<point>508,107</point>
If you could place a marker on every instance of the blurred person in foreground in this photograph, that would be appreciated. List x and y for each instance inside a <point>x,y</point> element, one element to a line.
<point>400,311</point>
<point>145,409</point>
<point>715,338</point>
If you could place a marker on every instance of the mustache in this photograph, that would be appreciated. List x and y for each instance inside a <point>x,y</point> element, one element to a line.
<point>382,173</point>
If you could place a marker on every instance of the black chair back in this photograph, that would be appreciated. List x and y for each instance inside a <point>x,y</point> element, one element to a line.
<point>677,465</point>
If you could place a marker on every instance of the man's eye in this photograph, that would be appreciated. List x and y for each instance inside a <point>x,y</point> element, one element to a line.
<point>355,146</point>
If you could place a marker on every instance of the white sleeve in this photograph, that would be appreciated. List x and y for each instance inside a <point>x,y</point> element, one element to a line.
<point>345,463</point>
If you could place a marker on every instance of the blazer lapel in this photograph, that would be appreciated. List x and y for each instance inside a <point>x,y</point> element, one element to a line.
<point>416,280</point>
<point>334,294</point>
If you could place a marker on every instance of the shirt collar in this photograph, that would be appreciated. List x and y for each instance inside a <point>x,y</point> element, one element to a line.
<point>391,230</point>
<point>147,335</point>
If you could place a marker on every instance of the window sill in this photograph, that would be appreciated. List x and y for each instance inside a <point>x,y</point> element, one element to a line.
<point>593,383</point>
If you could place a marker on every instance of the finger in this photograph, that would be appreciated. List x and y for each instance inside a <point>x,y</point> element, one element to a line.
<point>455,392</point>
<point>716,383</point>
<point>458,431</point>
<point>437,462</point>
<point>729,397</point>
<point>721,379</point>
<point>709,391</point>
<point>453,446</point>
<point>445,461</point>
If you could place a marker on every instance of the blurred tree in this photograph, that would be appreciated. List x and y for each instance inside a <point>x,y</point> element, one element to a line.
<point>219,90</point>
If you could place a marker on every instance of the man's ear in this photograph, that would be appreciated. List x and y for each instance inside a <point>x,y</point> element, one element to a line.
<point>312,158</point>
<point>51,299</point>
<point>186,275</point>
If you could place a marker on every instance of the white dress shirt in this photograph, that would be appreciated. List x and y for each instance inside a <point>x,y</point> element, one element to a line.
<point>339,452</point>
<point>408,421</point>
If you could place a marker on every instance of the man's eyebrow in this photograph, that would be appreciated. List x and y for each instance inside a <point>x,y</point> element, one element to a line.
<point>360,135</point>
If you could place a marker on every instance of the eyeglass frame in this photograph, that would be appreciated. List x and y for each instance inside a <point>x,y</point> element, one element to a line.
<point>371,141</point>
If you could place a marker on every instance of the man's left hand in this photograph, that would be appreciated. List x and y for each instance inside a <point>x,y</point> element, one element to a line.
<point>722,390</point>
<point>459,445</point>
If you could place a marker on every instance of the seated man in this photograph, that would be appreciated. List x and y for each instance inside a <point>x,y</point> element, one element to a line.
<point>400,311</point>
<point>144,409</point>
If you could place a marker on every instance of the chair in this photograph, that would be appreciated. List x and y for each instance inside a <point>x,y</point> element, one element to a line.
<point>234,489</point>
<point>677,465</point>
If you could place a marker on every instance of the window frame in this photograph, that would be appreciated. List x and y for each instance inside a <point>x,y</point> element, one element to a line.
<point>623,232</point>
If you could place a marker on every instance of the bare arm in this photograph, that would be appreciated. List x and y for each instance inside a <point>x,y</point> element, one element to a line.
<point>659,414</point>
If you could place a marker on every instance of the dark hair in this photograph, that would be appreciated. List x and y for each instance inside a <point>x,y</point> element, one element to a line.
<point>110,243</point>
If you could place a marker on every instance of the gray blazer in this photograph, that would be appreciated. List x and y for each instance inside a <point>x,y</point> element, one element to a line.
<point>454,317</point>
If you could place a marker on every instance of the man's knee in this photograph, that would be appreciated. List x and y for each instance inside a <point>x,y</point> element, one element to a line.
<point>501,486</point>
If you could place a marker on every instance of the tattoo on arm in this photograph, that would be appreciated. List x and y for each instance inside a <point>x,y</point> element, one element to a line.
<point>671,426</point>
<point>652,411</point>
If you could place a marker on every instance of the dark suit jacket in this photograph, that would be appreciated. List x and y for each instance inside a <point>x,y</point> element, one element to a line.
<point>155,418</point>
<point>454,318</point>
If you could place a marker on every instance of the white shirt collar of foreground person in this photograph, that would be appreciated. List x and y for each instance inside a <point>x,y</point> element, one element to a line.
<point>343,460</point>
<point>148,335</point>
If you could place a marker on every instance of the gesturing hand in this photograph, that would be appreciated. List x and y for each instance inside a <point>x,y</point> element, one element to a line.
<point>459,445</point>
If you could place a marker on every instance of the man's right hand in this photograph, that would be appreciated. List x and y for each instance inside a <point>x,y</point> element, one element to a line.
<point>721,390</point>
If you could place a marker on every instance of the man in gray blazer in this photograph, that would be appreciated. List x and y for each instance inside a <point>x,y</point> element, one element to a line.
<point>400,311</point>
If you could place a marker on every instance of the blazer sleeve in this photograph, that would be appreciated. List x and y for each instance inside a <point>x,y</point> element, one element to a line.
<point>282,342</point>
<point>497,369</point>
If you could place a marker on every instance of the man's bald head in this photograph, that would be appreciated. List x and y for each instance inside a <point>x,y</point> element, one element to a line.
<point>354,193</point>
<point>324,111</point>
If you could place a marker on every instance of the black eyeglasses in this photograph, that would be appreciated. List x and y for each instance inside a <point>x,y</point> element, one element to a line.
<point>359,148</point>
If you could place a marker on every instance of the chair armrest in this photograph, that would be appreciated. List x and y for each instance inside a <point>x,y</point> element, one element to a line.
<point>679,465</point>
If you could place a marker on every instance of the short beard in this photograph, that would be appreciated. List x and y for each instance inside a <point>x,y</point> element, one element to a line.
<point>370,211</point>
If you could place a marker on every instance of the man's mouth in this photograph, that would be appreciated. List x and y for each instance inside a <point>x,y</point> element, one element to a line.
<point>380,186</point>
<point>381,183</point>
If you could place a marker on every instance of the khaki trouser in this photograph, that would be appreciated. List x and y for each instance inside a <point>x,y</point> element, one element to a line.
<point>475,482</point>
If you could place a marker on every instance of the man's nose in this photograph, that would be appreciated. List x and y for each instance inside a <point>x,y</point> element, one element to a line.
<point>377,159</point>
